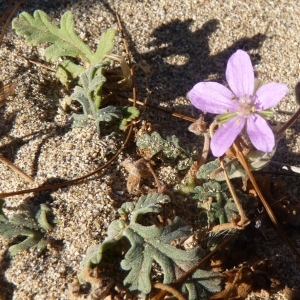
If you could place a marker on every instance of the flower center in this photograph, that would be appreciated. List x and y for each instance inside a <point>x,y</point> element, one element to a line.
<point>245,105</point>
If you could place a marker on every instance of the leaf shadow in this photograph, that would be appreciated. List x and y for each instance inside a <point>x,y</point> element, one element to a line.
<point>182,57</point>
<point>7,288</point>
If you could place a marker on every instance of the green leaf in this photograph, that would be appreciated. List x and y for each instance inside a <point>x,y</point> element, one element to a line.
<point>149,244</point>
<point>201,284</point>
<point>28,223</point>
<point>215,204</point>
<point>106,114</point>
<point>209,189</point>
<point>129,113</point>
<point>29,242</point>
<point>89,96</point>
<point>213,170</point>
<point>95,253</point>
<point>42,217</point>
<point>92,81</point>
<point>64,40</point>
<point>68,71</point>
<point>105,45</point>
<point>168,150</point>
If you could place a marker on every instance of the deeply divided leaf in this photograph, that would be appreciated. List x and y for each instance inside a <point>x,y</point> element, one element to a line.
<point>149,244</point>
<point>168,150</point>
<point>26,224</point>
<point>65,42</point>
<point>201,284</point>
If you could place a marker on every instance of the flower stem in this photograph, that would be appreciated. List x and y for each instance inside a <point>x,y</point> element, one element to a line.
<point>240,156</point>
<point>289,123</point>
<point>244,221</point>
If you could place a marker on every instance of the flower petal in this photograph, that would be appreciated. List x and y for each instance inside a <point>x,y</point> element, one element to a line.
<point>239,74</point>
<point>212,97</point>
<point>260,134</point>
<point>226,134</point>
<point>269,95</point>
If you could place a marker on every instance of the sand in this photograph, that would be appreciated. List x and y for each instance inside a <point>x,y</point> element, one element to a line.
<point>183,42</point>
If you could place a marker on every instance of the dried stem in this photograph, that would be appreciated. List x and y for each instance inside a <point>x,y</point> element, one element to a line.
<point>16,169</point>
<point>169,289</point>
<point>160,188</point>
<point>37,64</point>
<point>289,123</point>
<point>173,114</point>
<point>240,156</point>
<point>225,226</point>
<point>244,219</point>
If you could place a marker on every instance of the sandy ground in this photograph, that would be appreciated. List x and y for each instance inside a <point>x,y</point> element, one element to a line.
<point>184,42</point>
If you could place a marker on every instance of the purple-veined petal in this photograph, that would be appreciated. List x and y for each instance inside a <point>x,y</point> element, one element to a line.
<point>212,97</point>
<point>226,134</point>
<point>239,74</point>
<point>269,95</point>
<point>260,134</point>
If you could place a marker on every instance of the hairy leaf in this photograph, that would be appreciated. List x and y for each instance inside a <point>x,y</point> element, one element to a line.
<point>27,224</point>
<point>213,170</point>
<point>215,204</point>
<point>105,45</point>
<point>167,150</point>
<point>64,40</point>
<point>149,244</point>
<point>67,71</point>
<point>209,189</point>
<point>201,284</point>
<point>129,113</point>
<point>89,96</point>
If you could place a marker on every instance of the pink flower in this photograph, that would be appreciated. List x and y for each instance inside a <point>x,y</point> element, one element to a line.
<point>241,107</point>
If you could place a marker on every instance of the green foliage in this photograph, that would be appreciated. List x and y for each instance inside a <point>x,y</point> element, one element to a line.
<point>200,283</point>
<point>213,170</point>
<point>64,41</point>
<point>257,159</point>
<point>148,244</point>
<point>129,113</point>
<point>91,71</point>
<point>167,150</point>
<point>28,223</point>
<point>89,96</point>
<point>216,205</point>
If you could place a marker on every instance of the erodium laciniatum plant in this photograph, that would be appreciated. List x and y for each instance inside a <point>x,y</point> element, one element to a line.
<point>162,240</point>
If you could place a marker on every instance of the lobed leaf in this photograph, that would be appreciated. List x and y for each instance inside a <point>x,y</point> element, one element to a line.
<point>64,40</point>
<point>201,284</point>
<point>168,150</point>
<point>26,224</point>
<point>149,244</point>
<point>213,170</point>
<point>105,45</point>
